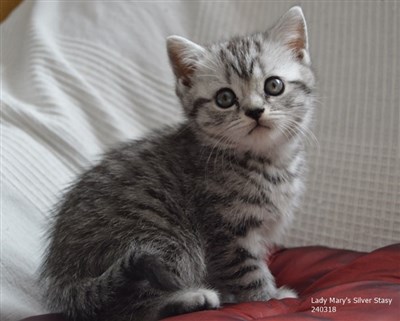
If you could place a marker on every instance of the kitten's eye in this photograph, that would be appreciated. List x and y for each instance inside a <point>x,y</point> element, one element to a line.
<point>274,86</point>
<point>225,98</point>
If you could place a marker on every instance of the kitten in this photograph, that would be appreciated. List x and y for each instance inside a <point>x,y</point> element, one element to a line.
<point>182,221</point>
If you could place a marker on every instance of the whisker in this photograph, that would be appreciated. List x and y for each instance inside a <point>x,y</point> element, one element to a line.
<point>305,132</point>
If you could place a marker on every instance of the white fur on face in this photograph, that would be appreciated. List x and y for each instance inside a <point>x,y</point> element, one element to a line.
<point>285,117</point>
<point>242,65</point>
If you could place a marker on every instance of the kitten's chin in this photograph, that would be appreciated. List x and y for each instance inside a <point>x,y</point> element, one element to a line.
<point>260,129</point>
<point>263,140</point>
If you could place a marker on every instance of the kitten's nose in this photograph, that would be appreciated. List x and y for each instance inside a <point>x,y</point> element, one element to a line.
<point>254,113</point>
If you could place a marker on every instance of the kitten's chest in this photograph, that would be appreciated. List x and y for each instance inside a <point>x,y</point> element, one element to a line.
<point>272,188</point>
<point>266,200</point>
<point>262,198</point>
<point>278,196</point>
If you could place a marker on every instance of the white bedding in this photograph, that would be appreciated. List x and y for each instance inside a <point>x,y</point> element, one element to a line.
<point>80,76</point>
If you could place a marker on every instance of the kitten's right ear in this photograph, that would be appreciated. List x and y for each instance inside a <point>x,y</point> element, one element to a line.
<point>183,55</point>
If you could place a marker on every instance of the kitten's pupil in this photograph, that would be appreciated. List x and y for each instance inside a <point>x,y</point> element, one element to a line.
<point>225,98</point>
<point>274,86</point>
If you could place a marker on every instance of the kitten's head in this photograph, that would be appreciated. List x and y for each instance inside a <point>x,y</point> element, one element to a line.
<point>251,93</point>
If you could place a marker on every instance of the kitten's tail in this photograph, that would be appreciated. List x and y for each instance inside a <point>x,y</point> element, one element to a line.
<point>83,299</point>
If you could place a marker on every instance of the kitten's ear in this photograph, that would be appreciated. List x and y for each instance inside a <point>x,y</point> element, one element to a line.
<point>291,29</point>
<point>183,55</point>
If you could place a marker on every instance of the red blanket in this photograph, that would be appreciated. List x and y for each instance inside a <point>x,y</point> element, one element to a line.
<point>332,285</point>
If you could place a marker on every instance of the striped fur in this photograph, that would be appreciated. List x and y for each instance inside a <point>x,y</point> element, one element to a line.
<point>182,220</point>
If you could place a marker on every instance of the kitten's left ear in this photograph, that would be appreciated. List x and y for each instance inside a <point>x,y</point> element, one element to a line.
<point>291,29</point>
<point>183,55</point>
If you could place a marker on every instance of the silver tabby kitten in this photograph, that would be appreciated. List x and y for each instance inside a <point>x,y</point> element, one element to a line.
<point>182,221</point>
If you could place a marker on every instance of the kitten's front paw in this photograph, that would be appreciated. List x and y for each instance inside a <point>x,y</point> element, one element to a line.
<point>284,292</point>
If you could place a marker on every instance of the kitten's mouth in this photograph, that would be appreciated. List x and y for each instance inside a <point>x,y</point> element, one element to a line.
<point>259,127</point>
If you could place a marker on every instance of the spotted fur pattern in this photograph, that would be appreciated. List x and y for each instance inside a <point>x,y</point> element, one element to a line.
<point>182,220</point>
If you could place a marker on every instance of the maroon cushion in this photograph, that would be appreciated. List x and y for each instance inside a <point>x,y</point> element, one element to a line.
<point>353,283</point>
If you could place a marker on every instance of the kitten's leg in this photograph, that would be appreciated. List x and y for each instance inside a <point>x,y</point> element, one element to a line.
<point>261,286</point>
<point>83,298</point>
<point>188,294</point>
<point>157,302</point>
<point>155,305</point>
<point>139,286</point>
<point>251,280</point>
